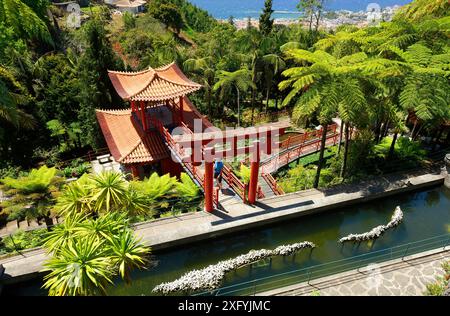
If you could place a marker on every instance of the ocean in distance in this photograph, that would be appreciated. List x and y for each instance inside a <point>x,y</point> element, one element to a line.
<point>284,9</point>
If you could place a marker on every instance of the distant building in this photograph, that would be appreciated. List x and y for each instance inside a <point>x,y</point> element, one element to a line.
<point>132,6</point>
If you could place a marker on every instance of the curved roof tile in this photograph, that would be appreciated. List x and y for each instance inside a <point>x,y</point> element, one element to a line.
<point>126,141</point>
<point>159,84</point>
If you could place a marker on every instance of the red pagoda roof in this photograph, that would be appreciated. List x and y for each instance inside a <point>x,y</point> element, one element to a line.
<point>160,84</point>
<point>126,141</point>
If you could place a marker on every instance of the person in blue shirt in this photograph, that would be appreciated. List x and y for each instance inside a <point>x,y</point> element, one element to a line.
<point>218,168</point>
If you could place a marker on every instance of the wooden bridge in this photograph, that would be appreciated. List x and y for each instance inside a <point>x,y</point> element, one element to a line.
<point>291,149</point>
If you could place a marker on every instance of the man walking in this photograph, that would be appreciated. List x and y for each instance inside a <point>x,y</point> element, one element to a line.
<point>218,168</point>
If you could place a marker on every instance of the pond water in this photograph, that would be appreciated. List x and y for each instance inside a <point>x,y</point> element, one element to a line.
<point>426,215</point>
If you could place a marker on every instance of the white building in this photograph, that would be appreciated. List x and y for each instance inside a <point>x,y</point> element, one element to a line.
<point>132,6</point>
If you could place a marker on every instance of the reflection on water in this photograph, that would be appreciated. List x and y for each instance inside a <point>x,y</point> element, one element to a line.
<point>426,214</point>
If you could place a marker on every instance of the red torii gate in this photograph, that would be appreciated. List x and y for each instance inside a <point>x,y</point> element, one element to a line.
<point>203,150</point>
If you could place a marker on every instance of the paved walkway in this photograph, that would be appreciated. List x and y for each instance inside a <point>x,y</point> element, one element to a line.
<point>392,278</point>
<point>237,216</point>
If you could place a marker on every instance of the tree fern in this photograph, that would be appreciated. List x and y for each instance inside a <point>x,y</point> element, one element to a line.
<point>186,188</point>
<point>26,17</point>
<point>156,186</point>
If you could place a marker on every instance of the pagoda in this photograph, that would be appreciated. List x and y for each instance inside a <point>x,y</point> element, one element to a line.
<point>152,93</point>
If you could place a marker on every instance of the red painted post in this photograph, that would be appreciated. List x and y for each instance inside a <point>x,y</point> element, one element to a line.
<point>143,116</point>
<point>181,110</point>
<point>235,145</point>
<point>135,172</point>
<point>208,184</point>
<point>269,142</point>
<point>254,169</point>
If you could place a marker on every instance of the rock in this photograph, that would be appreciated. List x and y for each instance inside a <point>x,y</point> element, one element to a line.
<point>211,277</point>
<point>376,232</point>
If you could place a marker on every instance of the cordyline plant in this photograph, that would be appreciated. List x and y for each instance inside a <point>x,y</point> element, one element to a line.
<point>88,253</point>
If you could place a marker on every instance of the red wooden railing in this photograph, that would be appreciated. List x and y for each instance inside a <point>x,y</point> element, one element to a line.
<point>272,183</point>
<point>293,141</point>
<point>180,152</point>
<point>295,147</point>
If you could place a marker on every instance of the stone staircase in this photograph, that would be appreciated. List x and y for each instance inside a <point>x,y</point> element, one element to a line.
<point>25,225</point>
<point>265,187</point>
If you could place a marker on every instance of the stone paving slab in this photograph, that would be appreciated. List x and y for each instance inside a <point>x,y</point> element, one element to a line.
<point>407,277</point>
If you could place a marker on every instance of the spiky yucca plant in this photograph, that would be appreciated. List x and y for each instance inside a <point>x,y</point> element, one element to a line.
<point>81,268</point>
<point>109,190</point>
<point>87,254</point>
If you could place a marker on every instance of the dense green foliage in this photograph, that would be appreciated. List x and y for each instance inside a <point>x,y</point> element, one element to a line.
<point>41,194</point>
<point>31,196</point>
<point>52,77</point>
<point>21,240</point>
<point>109,192</point>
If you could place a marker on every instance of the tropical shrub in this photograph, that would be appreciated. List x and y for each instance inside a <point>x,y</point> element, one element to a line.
<point>109,192</point>
<point>404,149</point>
<point>439,287</point>
<point>244,174</point>
<point>31,196</point>
<point>87,254</point>
<point>21,240</point>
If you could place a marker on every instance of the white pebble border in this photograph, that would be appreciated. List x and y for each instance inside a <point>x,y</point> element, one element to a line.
<point>376,232</point>
<point>211,277</point>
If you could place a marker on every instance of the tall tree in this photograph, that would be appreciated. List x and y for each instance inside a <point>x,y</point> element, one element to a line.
<point>312,11</point>
<point>202,68</point>
<point>328,86</point>
<point>427,89</point>
<point>168,14</point>
<point>265,20</point>
<point>240,80</point>
<point>97,90</point>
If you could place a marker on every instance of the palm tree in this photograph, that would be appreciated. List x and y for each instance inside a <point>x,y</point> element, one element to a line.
<point>205,72</point>
<point>240,79</point>
<point>255,45</point>
<point>109,190</point>
<point>329,86</point>
<point>273,65</point>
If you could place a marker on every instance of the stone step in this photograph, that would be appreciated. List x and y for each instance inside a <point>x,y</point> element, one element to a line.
<point>3,231</point>
<point>23,224</point>
<point>33,223</point>
<point>12,226</point>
